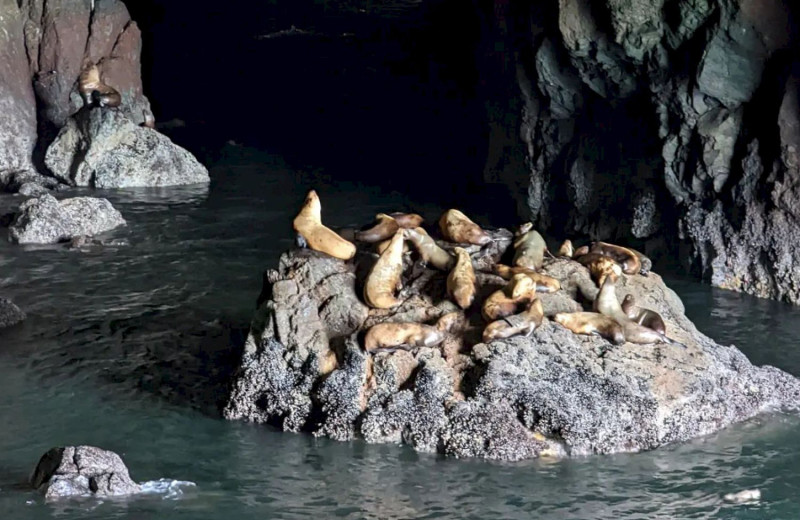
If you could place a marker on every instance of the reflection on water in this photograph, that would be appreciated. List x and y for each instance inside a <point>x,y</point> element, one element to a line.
<point>130,348</point>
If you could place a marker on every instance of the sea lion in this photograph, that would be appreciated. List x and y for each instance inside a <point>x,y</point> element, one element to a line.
<point>461,280</point>
<point>583,250</point>
<point>391,336</point>
<point>94,91</point>
<point>428,249</point>
<point>308,224</point>
<point>407,220</point>
<point>590,323</point>
<point>544,283</point>
<point>566,250</point>
<point>647,264</point>
<point>506,301</point>
<point>381,246</point>
<point>383,230</point>
<point>645,317</point>
<point>529,247</point>
<point>385,277</point>
<point>457,227</point>
<point>523,323</point>
<point>607,303</point>
<point>622,255</point>
<point>149,120</point>
<point>600,266</point>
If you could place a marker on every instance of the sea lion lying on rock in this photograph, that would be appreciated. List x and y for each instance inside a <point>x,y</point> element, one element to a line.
<point>622,255</point>
<point>519,291</point>
<point>428,249</point>
<point>544,283</point>
<point>592,323</point>
<point>523,323</point>
<point>646,317</point>
<point>393,336</point>
<point>457,227</point>
<point>461,280</point>
<point>385,277</point>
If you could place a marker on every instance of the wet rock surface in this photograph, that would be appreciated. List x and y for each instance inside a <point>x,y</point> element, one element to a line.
<point>103,148</point>
<point>47,220</point>
<point>10,314</point>
<point>79,471</point>
<point>554,393</point>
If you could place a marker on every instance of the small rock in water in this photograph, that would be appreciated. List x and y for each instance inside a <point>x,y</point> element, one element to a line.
<point>10,314</point>
<point>748,495</point>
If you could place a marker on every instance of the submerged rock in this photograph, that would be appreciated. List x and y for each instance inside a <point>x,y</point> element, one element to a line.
<point>10,314</point>
<point>554,393</point>
<point>46,220</point>
<point>103,148</point>
<point>75,471</point>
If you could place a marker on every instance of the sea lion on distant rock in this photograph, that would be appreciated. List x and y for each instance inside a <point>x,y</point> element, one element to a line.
<point>566,250</point>
<point>591,323</point>
<point>392,336</point>
<point>506,301</point>
<point>457,227</point>
<point>529,247</point>
<point>461,280</point>
<point>600,266</point>
<point>149,120</point>
<point>523,323</point>
<point>308,224</point>
<point>428,249</point>
<point>385,277</point>
<point>544,283</point>
<point>94,91</point>
<point>645,317</point>
<point>383,230</point>
<point>622,255</point>
<point>407,220</point>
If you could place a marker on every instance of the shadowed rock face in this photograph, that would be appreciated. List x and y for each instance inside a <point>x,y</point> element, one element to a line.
<point>553,393</point>
<point>671,123</point>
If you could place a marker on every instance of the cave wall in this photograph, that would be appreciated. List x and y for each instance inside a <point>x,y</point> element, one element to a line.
<point>669,124</point>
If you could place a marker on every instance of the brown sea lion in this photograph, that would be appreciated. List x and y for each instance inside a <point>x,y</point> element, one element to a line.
<point>407,220</point>
<point>461,280</point>
<point>583,250</point>
<point>645,317</point>
<point>607,304</point>
<point>647,264</point>
<point>457,227</point>
<point>383,230</point>
<point>590,323</point>
<point>519,291</point>
<point>149,120</point>
<point>600,266</point>
<point>308,224</point>
<point>94,91</point>
<point>392,336</point>
<point>523,323</point>
<point>544,283</point>
<point>529,247</point>
<point>385,277</point>
<point>566,250</point>
<point>428,249</point>
<point>622,255</point>
<point>380,247</point>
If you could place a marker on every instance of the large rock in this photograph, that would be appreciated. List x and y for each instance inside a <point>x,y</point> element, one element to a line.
<point>10,314</point>
<point>554,393</point>
<point>77,471</point>
<point>46,220</point>
<point>103,148</point>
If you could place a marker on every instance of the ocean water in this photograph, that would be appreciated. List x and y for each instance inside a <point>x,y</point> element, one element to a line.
<point>129,347</point>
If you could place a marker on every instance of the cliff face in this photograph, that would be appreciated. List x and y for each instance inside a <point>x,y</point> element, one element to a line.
<point>668,123</point>
<point>43,46</point>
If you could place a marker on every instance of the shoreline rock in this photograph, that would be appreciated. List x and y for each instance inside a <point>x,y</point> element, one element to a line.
<point>10,314</point>
<point>552,394</point>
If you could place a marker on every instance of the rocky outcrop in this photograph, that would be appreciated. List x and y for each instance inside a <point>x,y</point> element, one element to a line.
<point>103,148</point>
<point>555,393</point>
<point>665,123</point>
<point>10,314</point>
<point>79,471</point>
<point>46,220</point>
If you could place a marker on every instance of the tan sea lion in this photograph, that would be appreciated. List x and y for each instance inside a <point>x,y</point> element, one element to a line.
<point>94,91</point>
<point>407,220</point>
<point>589,323</point>
<point>383,230</point>
<point>600,266</point>
<point>622,255</point>
<point>529,247</point>
<point>607,304</point>
<point>566,250</point>
<point>544,283</point>
<point>647,264</point>
<point>519,291</point>
<point>428,249</point>
<point>381,246</point>
<point>308,224</point>
<point>583,250</point>
<point>391,336</point>
<point>645,317</point>
<point>523,323</point>
<point>385,277</point>
<point>457,227</point>
<point>461,280</point>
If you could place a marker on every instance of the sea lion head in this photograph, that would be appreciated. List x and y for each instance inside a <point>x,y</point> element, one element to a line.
<point>521,285</point>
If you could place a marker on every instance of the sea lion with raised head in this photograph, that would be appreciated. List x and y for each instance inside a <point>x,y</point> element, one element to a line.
<point>622,255</point>
<point>529,247</point>
<point>544,283</point>
<point>592,323</point>
<point>385,277</point>
<point>407,220</point>
<point>519,291</point>
<point>461,280</point>
<point>407,336</point>
<point>308,224</point>
<point>645,317</point>
<point>94,91</point>
<point>385,229</point>
<point>583,250</point>
<point>428,249</point>
<point>566,250</point>
<point>600,266</point>
<point>457,227</point>
<point>523,323</point>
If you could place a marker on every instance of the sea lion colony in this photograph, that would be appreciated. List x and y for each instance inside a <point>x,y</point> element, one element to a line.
<point>514,309</point>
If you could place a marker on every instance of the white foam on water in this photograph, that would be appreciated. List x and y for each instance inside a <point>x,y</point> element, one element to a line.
<point>170,488</point>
